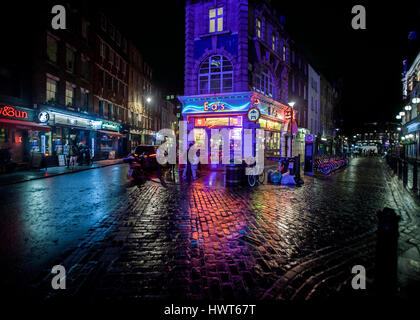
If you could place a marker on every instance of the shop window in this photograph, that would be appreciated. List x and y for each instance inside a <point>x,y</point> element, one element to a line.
<point>215,20</point>
<point>52,49</point>
<point>70,58</point>
<point>215,75</point>
<point>51,96</point>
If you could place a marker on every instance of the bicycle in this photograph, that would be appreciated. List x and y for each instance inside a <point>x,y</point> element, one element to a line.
<point>253,179</point>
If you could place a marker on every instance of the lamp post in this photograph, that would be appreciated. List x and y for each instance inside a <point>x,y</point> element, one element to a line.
<point>291,104</point>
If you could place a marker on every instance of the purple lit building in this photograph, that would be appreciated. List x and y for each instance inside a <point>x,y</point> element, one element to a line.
<point>237,57</point>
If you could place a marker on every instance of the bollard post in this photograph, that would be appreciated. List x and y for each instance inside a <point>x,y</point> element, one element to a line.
<point>415,176</point>
<point>405,172</point>
<point>399,168</point>
<point>386,252</point>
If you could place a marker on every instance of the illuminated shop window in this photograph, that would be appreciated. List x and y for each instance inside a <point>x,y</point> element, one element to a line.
<point>215,20</point>
<point>215,75</point>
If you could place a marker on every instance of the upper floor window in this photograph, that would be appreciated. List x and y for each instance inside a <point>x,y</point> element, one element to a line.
<point>103,22</point>
<point>69,94</point>
<point>273,42</point>
<point>51,96</point>
<point>264,82</point>
<point>284,53</point>
<point>215,20</point>
<point>70,58</point>
<point>52,49</point>
<point>215,75</point>
<point>258,28</point>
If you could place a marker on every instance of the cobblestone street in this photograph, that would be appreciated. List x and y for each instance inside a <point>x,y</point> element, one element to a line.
<point>274,242</point>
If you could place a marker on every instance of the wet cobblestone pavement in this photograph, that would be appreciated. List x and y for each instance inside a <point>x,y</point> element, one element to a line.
<point>272,242</point>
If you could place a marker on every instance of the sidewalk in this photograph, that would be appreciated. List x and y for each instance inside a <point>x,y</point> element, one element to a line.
<point>27,175</point>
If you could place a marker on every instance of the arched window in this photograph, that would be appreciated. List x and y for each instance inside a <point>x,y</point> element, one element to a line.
<point>215,75</point>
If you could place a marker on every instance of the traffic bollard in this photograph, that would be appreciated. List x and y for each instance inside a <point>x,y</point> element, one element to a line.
<point>405,172</point>
<point>400,168</point>
<point>386,252</point>
<point>415,176</point>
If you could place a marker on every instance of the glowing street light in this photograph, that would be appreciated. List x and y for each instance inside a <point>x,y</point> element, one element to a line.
<point>291,104</point>
<point>148,99</point>
<point>402,113</point>
<point>398,117</point>
<point>415,100</point>
<point>408,108</point>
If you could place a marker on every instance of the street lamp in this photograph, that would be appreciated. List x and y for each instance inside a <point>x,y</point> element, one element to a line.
<point>291,104</point>
<point>408,108</point>
<point>415,100</point>
<point>148,99</point>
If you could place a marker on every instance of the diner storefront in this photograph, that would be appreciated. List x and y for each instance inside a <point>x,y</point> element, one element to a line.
<point>69,128</point>
<point>21,135</point>
<point>110,142</point>
<point>229,110</point>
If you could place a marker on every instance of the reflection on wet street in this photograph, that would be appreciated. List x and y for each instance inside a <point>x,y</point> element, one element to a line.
<point>195,240</point>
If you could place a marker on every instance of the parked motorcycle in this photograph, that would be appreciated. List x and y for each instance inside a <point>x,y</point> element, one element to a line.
<point>142,162</point>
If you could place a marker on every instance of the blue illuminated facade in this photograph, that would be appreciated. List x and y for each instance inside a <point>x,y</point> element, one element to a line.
<point>237,57</point>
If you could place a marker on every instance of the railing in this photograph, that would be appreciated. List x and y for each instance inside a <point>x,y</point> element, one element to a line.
<point>405,169</point>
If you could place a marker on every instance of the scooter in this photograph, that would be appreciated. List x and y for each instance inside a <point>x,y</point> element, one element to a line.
<point>136,162</point>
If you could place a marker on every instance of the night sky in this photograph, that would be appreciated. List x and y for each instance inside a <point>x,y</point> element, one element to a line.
<point>368,61</point>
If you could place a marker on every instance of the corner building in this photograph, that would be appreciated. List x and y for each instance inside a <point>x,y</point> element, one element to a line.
<point>237,57</point>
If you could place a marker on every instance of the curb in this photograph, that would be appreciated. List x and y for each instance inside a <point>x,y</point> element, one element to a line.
<point>61,173</point>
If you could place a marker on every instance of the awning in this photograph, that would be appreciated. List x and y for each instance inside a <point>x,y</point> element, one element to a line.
<point>112,133</point>
<point>25,125</point>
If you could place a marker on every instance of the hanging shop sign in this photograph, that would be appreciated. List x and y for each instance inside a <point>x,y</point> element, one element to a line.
<point>9,112</point>
<point>108,125</point>
<point>253,114</point>
<point>43,116</point>
<point>212,104</point>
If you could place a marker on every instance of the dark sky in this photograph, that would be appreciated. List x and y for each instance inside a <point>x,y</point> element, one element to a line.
<point>368,61</point>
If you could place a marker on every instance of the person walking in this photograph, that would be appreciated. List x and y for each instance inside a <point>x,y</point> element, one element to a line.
<point>190,166</point>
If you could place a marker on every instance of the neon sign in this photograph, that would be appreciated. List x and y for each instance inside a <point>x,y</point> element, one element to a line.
<point>216,105</point>
<point>11,112</point>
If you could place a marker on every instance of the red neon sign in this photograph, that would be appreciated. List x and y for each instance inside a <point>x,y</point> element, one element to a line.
<point>13,113</point>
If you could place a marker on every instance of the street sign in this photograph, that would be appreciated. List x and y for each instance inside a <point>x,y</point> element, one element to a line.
<point>309,138</point>
<point>253,114</point>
